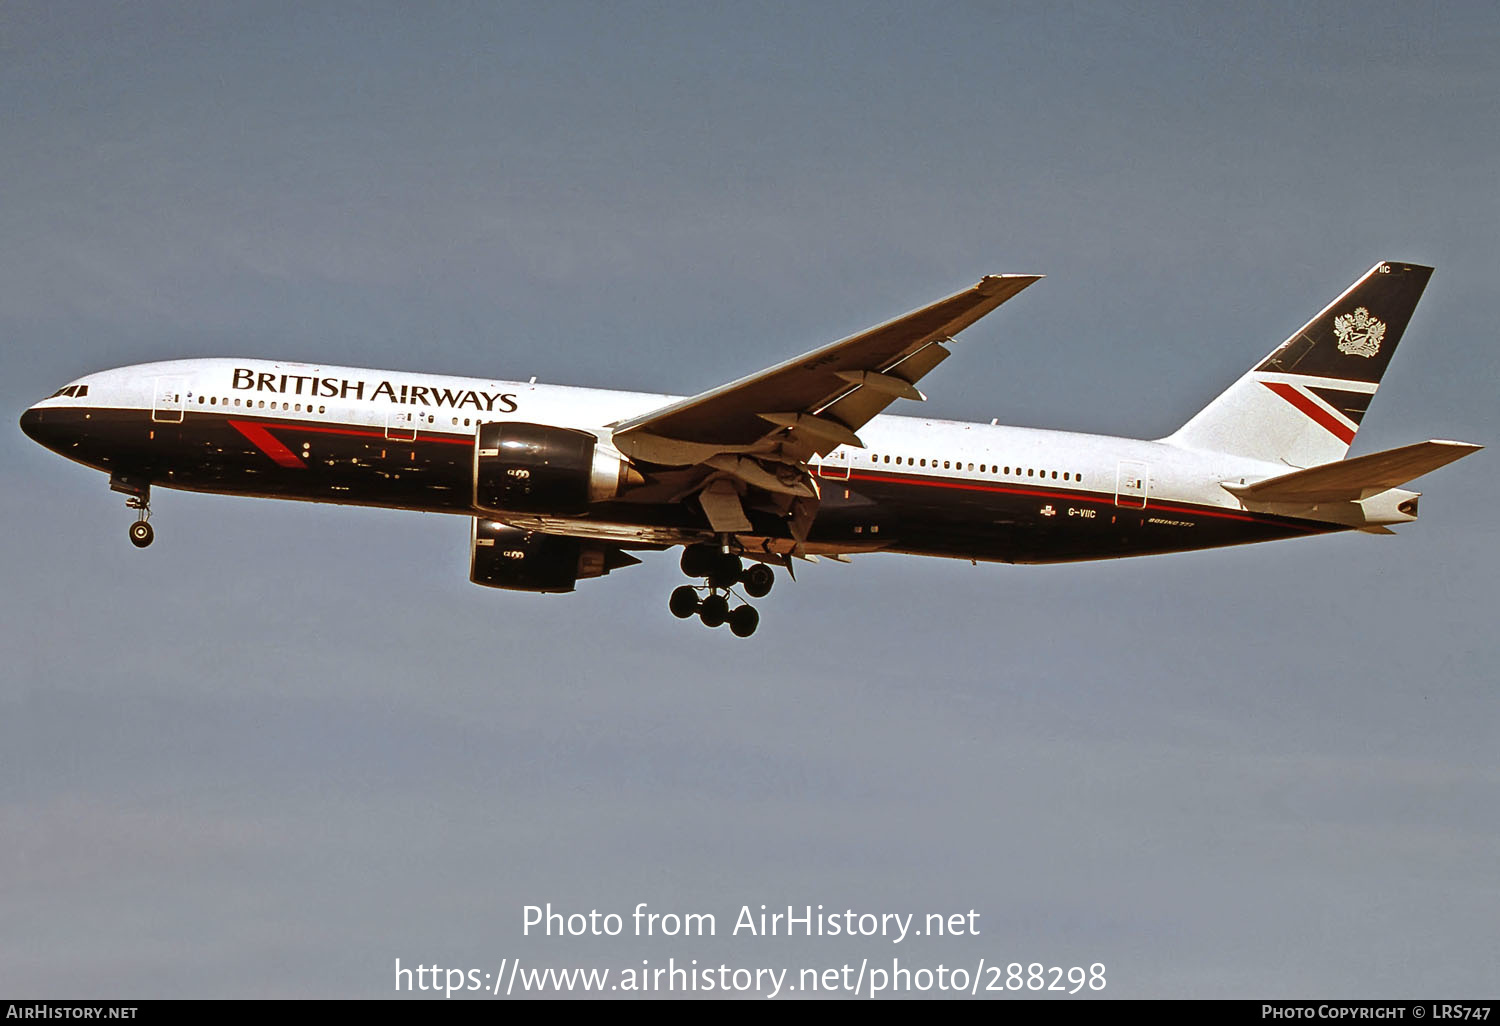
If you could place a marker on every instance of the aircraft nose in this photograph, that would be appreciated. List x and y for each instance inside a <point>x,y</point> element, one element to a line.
<point>36,427</point>
<point>31,423</point>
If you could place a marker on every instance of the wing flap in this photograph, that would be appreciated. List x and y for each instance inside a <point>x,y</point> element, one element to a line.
<point>1358,478</point>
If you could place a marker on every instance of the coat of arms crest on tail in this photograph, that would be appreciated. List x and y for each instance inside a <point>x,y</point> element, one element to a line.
<point>1358,333</point>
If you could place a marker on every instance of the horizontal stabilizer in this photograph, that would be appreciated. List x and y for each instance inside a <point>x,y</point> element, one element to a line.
<point>1358,478</point>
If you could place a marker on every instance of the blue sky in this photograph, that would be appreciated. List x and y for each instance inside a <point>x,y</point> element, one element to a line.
<point>290,744</point>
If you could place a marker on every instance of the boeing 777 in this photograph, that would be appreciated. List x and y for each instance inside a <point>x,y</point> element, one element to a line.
<point>797,461</point>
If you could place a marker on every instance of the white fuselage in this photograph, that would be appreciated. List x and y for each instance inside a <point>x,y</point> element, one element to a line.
<point>400,401</point>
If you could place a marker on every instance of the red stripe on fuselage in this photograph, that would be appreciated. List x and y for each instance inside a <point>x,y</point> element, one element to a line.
<point>260,435</point>
<point>1072,496</point>
<point>1290,394</point>
<point>267,443</point>
<point>259,432</point>
<point>443,439</point>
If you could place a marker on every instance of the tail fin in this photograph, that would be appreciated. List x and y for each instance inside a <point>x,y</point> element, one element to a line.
<point>1303,404</point>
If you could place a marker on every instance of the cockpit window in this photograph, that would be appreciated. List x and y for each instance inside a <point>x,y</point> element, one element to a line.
<point>79,391</point>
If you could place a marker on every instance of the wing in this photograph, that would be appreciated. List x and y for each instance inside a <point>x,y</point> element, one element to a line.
<point>813,404</point>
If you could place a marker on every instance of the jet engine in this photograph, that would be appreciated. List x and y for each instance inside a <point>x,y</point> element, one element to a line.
<point>501,556</point>
<point>536,468</point>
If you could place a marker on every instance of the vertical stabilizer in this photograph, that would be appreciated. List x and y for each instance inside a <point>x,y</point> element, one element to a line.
<point>1302,405</point>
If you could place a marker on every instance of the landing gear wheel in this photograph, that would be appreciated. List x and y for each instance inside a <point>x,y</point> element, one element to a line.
<point>684,602</point>
<point>725,571</point>
<point>713,611</point>
<point>758,580</point>
<point>698,560</point>
<point>743,621</point>
<point>141,534</point>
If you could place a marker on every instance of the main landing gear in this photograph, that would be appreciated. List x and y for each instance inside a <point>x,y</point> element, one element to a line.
<point>721,571</point>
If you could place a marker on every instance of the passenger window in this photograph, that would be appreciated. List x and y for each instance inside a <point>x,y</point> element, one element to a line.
<point>945,465</point>
<point>1030,472</point>
<point>321,409</point>
<point>214,401</point>
<point>1054,475</point>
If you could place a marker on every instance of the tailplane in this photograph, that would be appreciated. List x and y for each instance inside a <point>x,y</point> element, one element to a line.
<point>1362,493</point>
<point>1357,479</point>
<point>1302,405</point>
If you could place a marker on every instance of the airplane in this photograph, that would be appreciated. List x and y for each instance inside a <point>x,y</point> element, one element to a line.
<point>795,462</point>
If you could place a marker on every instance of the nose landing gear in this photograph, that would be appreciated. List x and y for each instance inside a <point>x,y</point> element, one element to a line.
<point>138,498</point>
<point>721,571</point>
<point>141,534</point>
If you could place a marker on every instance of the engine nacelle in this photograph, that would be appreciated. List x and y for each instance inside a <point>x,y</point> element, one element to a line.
<point>501,556</point>
<point>536,468</point>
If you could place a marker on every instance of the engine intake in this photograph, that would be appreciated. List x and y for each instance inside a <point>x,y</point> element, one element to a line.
<point>502,556</point>
<point>537,468</point>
